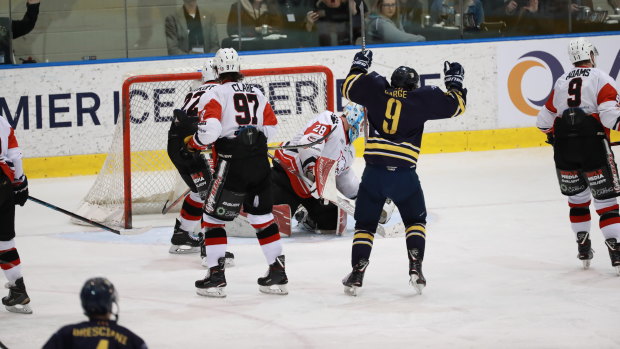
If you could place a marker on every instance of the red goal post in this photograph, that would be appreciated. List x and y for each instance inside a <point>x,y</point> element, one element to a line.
<point>138,178</point>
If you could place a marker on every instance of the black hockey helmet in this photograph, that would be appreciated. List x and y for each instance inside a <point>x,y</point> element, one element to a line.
<point>406,78</point>
<point>98,296</point>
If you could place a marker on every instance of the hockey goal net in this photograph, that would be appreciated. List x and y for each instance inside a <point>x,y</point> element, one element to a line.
<point>137,176</point>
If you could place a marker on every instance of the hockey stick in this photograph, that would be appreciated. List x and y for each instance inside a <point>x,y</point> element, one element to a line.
<point>2,346</point>
<point>84,219</point>
<point>363,28</point>
<point>300,146</point>
<point>166,208</point>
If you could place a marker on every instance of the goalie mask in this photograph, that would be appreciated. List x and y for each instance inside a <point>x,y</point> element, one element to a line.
<point>208,73</point>
<point>579,51</point>
<point>226,61</point>
<point>354,113</point>
<point>405,78</point>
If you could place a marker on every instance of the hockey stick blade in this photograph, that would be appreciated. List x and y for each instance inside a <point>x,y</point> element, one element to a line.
<point>86,220</point>
<point>167,209</point>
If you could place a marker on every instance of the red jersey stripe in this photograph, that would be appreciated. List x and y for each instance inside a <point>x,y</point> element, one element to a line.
<point>606,94</point>
<point>549,105</point>
<point>269,117</point>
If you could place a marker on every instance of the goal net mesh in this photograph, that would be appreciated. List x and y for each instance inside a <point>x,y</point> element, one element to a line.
<point>137,176</point>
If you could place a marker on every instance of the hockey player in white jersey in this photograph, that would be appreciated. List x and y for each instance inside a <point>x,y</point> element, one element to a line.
<point>290,189</point>
<point>577,118</point>
<point>13,191</point>
<point>238,120</point>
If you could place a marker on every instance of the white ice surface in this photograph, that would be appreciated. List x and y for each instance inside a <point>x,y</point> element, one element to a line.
<point>500,263</point>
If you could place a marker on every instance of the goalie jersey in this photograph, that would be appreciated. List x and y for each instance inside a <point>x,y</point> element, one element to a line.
<point>396,117</point>
<point>336,147</point>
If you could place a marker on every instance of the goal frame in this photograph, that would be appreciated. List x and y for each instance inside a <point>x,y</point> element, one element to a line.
<point>126,112</point>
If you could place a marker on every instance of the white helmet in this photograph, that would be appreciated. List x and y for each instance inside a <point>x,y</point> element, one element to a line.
<point>226,61</point>
<point>354,113</point>
<point>208,73</point>
<point>579,50</point>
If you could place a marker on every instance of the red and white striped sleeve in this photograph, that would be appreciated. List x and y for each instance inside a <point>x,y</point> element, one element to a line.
<point>608,101</point>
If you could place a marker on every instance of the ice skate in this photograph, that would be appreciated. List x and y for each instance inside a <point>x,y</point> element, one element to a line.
<point>274,282</point>
<point>614,253</point>
<point>230,260</point>
<point>184,242</point>
<point>416,278</point>
<point>214,282</point>
<point>17,300</point>
<point>355,278</point>
<point>584,248</point>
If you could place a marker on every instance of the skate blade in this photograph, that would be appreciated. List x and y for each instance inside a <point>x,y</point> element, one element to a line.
<point>183,249</point>
<point>586,264</point>
<point>280,290</point>
<point>19,308</point>
<point>230,262</point>
<point>414,282</point>
<point>214,292</point>
<point>351,290</point>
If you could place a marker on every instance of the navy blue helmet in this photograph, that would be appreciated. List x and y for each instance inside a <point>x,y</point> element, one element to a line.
<point>406,78</point>
<point>98,295</point>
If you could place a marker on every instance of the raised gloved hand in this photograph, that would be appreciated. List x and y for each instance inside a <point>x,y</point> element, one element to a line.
<point>362,61</point>
<point>453,75</point>
<point>20,191</point>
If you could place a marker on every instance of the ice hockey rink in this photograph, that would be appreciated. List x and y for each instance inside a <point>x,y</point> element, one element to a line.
<point>500,263</point>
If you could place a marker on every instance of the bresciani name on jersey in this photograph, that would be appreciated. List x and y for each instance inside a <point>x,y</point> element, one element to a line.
<point>95,334</point>
<point>396,117</point>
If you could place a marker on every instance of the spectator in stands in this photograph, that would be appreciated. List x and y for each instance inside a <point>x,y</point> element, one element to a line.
<point>615,5</point>
<point>384,25</point>
<point>299,19</point>
<point>411,12</point>
<point>333,21</point>
<point>441,8</point>
<point>19,28</point>
<point>27,23</point>
<point>191,31</point>
<point>258,17</point>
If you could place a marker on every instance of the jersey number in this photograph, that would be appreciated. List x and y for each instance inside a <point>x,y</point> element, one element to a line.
<point>242,105</point>
<point>319,129</point>
<point>103,344</point>
<point>191,103</point>
<point>392,115</point>
<point>574,92</point>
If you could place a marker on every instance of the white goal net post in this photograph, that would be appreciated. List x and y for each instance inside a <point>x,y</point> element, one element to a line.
<point>137,176</point>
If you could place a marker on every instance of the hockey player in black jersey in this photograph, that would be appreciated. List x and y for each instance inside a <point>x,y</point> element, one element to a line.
<point>396,111</point>
<point>98,298</point>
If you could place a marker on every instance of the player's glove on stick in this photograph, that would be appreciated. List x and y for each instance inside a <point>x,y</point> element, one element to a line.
<point>362,61</point>
<point>453,75</point>
<point>20,190</point>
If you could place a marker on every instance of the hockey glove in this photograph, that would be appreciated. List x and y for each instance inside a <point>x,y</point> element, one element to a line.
<point>453,75</point>
<point>20,191</point>
<point>362,61</point>
<point>550,138</point>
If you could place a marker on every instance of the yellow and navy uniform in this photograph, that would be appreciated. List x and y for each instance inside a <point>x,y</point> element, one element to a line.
<point>396,117</point>
<point>95,334</point>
